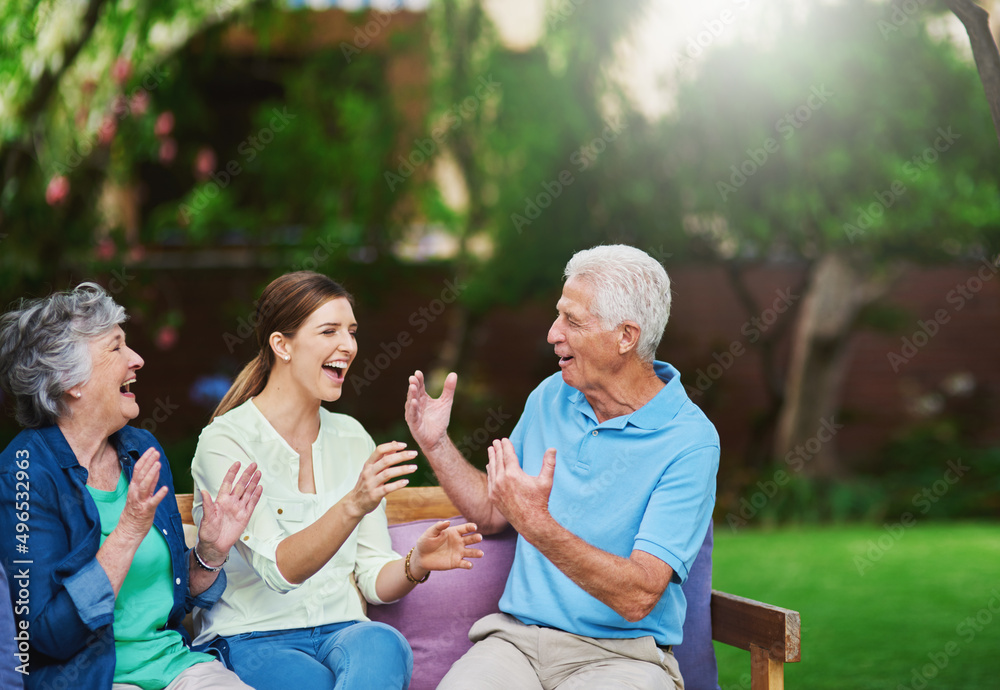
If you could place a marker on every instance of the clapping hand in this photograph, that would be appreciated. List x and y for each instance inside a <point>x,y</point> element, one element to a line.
<point>226,518</point>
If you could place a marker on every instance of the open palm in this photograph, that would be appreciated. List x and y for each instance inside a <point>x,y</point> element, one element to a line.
<point>442,547</point>
<point>227,516</point>
<point>428,417</point>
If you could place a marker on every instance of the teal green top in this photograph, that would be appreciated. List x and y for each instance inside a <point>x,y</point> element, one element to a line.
<point>146,654</point>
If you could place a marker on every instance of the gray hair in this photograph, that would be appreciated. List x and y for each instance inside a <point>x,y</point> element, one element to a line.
<point>44,348</point>
<point>629,285</point>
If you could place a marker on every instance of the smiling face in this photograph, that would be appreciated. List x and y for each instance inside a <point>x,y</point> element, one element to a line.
<point>106,396</point>
<point>588,354</point>
<point>322,349</point>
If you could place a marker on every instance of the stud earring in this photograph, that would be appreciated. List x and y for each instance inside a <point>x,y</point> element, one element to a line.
<point>287,357</point>
<point>78,395</point>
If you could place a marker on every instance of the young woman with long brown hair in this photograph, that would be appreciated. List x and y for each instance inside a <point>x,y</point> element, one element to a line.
<point>291,616</point>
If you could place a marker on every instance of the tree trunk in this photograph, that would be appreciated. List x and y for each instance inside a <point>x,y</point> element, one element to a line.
<point>807,426</point>
<point>976,21</point>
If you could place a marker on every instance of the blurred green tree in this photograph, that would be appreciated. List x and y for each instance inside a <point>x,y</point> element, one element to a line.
<point>855,158</point>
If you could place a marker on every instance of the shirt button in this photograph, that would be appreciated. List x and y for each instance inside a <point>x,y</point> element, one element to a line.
<point>164,532</point>
<point>594,432</point>
<point>177,581</point>
<point>246,538</point>
<point>280,511</point>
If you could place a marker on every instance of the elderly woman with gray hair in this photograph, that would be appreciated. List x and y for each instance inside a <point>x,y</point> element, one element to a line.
<point>90,534</point>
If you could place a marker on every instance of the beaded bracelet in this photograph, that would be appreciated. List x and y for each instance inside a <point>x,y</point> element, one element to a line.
<point>205,566</point>
<point>406,569</point>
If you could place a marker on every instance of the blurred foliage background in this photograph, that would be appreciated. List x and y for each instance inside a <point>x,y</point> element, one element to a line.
<point>183,154</point>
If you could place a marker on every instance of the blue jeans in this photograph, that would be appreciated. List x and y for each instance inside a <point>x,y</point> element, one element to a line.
<point>356,655</point>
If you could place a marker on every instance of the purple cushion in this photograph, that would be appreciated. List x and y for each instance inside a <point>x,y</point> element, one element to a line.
<point>696,655</point>
<point>435,618</point>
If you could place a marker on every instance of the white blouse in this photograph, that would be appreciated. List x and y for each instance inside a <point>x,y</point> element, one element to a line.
<point>257,596</point>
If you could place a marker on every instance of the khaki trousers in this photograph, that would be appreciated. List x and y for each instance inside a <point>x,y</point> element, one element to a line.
<point>508,655</point>
<point>204,676</point>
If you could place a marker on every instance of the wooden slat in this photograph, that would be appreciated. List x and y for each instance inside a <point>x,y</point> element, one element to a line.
<point>766,673</point>
<point>418,503</point>
<point>404,505</point>
<point>184,503</point>
<point>744,622</point>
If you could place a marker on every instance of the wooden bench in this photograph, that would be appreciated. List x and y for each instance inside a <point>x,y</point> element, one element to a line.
<point>771,634</point>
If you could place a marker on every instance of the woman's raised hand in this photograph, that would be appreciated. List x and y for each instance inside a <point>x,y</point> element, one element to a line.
<point>382,466</point>
<point>226,517</point>
<point>443,547</point>
<point>142,497</point>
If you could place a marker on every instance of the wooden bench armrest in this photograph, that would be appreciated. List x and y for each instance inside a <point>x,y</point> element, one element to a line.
<point>771,634</point>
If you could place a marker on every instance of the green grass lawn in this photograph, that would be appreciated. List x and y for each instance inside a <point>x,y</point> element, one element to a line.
<point>919,616</point>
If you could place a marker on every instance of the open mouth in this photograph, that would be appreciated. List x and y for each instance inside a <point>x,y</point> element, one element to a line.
<point>124,389</point>
<point>563,361</point>
<point>336,370</point>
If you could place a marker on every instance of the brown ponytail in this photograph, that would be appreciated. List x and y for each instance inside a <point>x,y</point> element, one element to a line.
<point>283,306</point>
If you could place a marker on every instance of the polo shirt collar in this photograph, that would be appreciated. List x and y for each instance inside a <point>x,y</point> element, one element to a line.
<point>654,414</point>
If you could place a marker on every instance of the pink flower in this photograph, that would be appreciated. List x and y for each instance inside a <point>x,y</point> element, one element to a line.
<point>105,250</point>
<point>121,71</point>
<point>139,102</point>
<point>164,124</point>
<point>168,150</point>
<point>57,191</point>
<point>166,337</point>
<point>204,163</point>
<point>107,131</point>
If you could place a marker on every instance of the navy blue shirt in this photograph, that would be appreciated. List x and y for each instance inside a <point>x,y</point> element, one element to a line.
<point>68,610</point>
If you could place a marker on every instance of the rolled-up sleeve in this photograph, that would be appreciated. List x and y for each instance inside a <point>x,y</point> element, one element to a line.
<point>68,598</point>
<point>374,552</point>
<point>258,545</point>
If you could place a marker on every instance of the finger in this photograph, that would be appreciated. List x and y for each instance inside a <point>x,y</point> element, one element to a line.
<point>251,485</point>
<point>448,393</point>
<point>385,449</point>
<point>206,503</point>
<point>467,529</point>
<point>394,486</point>
<point>548,466</point>
<point>159,496</point>
<point>509,456</point>
<point>387,461</point>
<point>251,502</point>
<point>442,525</point>
<point>499,462</point>
<point>472,553</point>
<point>489,471</point>
<point>148,482</point>
<point>143,465</point>
<point>393,472</point>
<point>227,481</point>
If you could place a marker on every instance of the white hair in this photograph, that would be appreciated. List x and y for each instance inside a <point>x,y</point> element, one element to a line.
<point>44,348</point>
<point>629,285</point>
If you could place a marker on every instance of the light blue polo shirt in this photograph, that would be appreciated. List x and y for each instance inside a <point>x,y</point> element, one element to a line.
<point>642,481</point>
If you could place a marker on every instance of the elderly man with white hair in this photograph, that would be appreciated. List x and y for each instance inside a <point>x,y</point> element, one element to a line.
<point>609,480</point>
